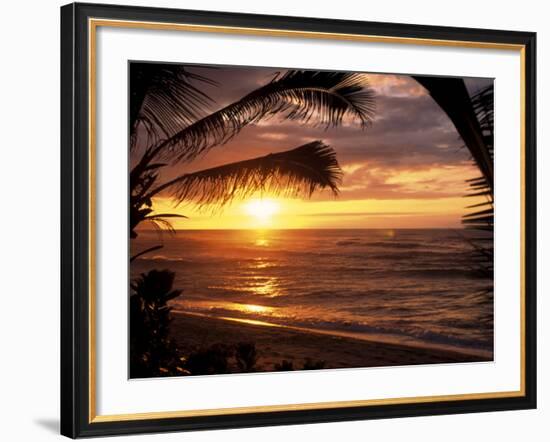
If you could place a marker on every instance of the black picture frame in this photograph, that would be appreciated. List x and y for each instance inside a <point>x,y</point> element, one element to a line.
<point>75,221</point>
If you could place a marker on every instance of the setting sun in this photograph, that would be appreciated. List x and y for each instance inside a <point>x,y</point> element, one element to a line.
<point>262,209</point>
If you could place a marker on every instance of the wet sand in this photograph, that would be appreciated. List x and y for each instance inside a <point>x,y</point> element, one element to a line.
<point>275,344</point>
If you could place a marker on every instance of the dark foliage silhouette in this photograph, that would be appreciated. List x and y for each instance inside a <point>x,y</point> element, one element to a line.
<point>284,365</point>
<point>210,360</point>
<point>246,356</point>
<point>310,364</point>
<point>152,352</point>
<point>473,118</point>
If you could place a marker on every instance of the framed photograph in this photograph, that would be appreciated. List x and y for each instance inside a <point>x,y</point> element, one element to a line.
<point>279,220</point>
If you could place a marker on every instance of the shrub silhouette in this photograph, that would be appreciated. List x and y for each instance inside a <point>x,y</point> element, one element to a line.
<point>284,365</point>
<point>309,364</point>
<point>246,356</point>
<point>152,352</point>
<point>210,360</point>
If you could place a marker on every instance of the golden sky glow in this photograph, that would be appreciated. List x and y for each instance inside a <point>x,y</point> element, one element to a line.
<point>354,214</point>
<point>429,197</point>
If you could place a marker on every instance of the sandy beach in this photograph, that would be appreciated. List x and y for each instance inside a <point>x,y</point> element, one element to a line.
<point>275,344</point>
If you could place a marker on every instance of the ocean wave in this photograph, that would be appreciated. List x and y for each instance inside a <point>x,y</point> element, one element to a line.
<point>422,254</point>
<point>163,258</point>
<point>415,333</point>
<point>386,244</point>
<point>400,330</point>
<point>349,242</point>
<point>396,244</point>
<point>466,324</point>
<point>411,286</point>
<point>434,272</point>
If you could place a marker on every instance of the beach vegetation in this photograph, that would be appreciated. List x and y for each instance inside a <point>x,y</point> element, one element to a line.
<point>246,356</point>
<point>214,359</point>
<point>310,364</point>
<point>152,351</point>
<point>284,365</point>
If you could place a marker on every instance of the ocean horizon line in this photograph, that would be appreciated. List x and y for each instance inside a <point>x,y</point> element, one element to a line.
<point>310,228</point>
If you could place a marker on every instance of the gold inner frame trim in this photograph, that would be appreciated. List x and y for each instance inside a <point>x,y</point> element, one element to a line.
<point>93,24</point>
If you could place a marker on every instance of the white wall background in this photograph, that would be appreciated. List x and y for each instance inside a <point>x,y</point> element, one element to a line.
<point>29,233</point>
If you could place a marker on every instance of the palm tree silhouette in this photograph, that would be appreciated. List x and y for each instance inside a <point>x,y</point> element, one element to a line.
<point>473,118</point>
<point>167,110</point>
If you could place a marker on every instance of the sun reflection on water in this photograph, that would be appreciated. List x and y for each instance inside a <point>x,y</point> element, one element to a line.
<point>265,286</point>
<point>234,307</point>
<point>252,308</point>
<point>260,263</point>
<point>252,322</point>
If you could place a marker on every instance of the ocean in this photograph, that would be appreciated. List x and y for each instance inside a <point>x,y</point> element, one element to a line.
<point>411,286</point>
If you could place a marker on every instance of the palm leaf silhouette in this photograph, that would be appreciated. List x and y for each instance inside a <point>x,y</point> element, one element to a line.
<point>323,98</point>
<point>297,172</point>
<point>474,120</point>
<point>453,98</point>
<point>164,98</point>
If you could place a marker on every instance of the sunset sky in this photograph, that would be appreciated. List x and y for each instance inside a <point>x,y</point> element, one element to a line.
<point>407,170</point>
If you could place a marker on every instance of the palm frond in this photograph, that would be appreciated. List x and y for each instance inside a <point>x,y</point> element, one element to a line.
<point>160,221</point>
<point>482,219</point>
<point>144,252</point>
<point>296,172</point>
<point>473,118</point>
<point>483,106</point>
<point>453,98</point>
<point>324,98</point>
<point>160,224</point>
<point>164,98</point>
<point>483,103</point>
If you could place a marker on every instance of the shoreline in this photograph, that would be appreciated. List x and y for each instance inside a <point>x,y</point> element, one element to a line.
<point>275,343</point>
